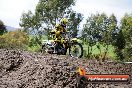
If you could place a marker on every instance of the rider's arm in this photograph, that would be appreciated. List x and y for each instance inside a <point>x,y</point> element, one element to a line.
<point>53,31</point>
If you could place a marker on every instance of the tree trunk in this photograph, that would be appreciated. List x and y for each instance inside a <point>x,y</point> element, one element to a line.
<point>106,50</point>
<point>88,50</point>
<point>99,48</point>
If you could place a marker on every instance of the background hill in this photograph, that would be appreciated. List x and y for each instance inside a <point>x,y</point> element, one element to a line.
<point>9,28</point>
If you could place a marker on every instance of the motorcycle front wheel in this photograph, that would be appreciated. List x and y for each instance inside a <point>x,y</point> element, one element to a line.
<point>76,50</point>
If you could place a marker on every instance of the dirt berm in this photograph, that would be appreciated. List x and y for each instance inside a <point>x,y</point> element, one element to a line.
<point>21,69</point>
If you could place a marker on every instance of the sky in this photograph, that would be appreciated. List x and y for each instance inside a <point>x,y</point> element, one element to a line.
<point>11,10</point>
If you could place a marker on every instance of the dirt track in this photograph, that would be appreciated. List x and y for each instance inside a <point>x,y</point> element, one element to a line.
<point>21,69</point>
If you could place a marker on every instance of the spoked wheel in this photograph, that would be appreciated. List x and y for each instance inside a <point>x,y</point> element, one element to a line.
<point>43,49</point>
<point>76,50</point>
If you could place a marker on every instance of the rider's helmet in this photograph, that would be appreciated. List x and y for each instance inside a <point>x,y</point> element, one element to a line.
<point>64,21</point>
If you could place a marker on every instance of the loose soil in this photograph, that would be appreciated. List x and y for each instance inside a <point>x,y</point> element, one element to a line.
<point>22,69</point>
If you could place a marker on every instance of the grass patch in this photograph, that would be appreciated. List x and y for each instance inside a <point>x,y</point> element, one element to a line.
<point>35,48</point>
<point>96,51</point>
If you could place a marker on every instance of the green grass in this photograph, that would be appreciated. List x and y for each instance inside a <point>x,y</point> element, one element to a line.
<point>95,51</point>
<point>35,48</point>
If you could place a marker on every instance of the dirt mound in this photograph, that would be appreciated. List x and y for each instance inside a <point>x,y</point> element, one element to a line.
<point>21,69</point>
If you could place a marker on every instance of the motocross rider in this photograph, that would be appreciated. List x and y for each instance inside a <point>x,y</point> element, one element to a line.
<point>59,31</point>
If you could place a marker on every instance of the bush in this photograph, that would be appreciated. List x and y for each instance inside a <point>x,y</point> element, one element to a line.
<point>128,53</point>
<point>35,48</point>
<point>14,39</point>
<point>2,28</point>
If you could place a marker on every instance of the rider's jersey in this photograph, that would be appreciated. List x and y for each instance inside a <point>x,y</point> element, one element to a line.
<point>58,31</point>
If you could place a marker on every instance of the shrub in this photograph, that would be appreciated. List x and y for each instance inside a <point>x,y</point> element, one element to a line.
<point>14,39</point>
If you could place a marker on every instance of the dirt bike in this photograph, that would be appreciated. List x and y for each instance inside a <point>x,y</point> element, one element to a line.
<point>69,44</point>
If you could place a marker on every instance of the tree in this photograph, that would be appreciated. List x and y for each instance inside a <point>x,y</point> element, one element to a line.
<point>113,29</point>
<point>30,22</point>
<point>74,21</point>
<point>109,32</point>
<point>126,27</point>
<point>48,13</point>
<point>99,29</point>
<point>51,11</point>
<point>2,28</point>
<point>89,33</point>
<point>120,45</point>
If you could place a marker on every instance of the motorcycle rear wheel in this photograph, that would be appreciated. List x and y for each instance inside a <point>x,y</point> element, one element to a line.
<point>45,49</point>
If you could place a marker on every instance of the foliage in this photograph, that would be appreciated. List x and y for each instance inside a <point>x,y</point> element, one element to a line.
<point>126,27</point>
<point>102,31</point>
<point>120,45</point>
<point>120,41</point>
<point>88,32</point>
<point>34,48</point>
<point>30,22</point>
<point>98,30</point>
<point>48,13</point>
<point>52,10</point>
<point>74,21</point>
<point>14,39</point>
<point>2,28</point>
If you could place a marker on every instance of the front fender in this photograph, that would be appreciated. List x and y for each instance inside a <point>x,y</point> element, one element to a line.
<point>76,40</point>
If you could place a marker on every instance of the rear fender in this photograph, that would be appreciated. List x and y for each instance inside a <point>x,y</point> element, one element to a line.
<point>47,42</point>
